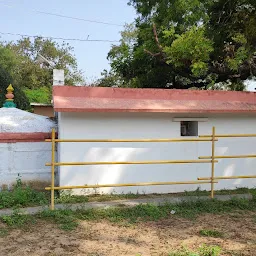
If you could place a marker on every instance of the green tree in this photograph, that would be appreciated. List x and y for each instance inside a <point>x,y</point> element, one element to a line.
<point>109,79</point>
<point>20,98</point>
<point>188,43</point>
<point>41,95</point>
<point>35,79</point>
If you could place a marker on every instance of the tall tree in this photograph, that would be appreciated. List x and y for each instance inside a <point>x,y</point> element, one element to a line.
<point>20,98</point>
<point>189,43</point>
<point>34,79</point>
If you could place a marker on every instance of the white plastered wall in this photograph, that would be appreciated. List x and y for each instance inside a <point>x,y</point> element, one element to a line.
<point>151,125</point>
<point>25,159</point>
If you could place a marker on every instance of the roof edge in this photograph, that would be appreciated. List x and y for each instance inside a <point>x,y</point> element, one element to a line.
<point>82,110</point>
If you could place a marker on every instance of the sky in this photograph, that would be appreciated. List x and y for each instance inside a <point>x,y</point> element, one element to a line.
<point>22,17</point>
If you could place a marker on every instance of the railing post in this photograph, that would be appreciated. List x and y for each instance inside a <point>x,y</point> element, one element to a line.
<point>213,162</point>
<point>53,169</point>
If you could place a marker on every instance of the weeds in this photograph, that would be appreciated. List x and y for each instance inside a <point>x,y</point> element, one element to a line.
<point>68,219</point>
<point>17,219</point>
<point>193,209</point>
<point>21,196</point>
<point>149,212</point>
<point>203,250</point>
<point>67,197</point>
<point>65,218</point>
<point>199,192</point>
<point>3,232</point>
<point>211,233</point>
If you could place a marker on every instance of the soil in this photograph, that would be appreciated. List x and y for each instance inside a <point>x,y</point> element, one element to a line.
<point>103,238</point>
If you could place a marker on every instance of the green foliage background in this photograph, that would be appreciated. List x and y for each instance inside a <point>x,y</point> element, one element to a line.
<point>33,82</point>
<point>200,44</point>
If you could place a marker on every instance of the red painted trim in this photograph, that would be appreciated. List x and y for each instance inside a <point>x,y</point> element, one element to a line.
<point>24,137</point>
<point>102,99</point>
<point>222,111</point>
<point>154,94</point>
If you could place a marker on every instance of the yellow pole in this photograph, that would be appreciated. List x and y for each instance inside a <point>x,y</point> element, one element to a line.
<point>133,184</point>
<point>213,163</point>
<point>53,169</point>
<point>228,135</point>
<point>132,162</point>
<point>228,177</point>
<point>223,157</point>
<point>134,140</point>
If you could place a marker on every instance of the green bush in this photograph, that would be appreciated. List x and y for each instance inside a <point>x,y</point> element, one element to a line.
<point>65,218</point>
<point>17,219</point>
<point>204,250</point>
<point>211,233</point>
<point>21,196</point>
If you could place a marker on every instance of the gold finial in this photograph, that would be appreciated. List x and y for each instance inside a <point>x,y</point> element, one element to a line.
<point>10,88</point>
<point>9,98</point>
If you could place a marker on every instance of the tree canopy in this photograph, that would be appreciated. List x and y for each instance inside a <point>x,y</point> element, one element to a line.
<point>188,43</point>
<point>18,61</point>
<point>20,98</point>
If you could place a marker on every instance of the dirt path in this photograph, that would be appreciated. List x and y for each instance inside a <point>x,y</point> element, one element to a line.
<point>150,238</point>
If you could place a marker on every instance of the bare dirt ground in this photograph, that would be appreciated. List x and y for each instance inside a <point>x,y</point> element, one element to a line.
<point>146,238</point>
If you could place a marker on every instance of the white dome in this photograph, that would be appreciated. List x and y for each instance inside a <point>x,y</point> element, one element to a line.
<point>14,120</point>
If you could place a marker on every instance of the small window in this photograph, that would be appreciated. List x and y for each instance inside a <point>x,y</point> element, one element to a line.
<point>189,128</point>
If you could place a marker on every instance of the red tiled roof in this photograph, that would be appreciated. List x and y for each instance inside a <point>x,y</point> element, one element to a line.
<point>101,99</point>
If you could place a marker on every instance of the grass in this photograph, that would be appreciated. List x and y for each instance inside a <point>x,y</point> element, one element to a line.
<point>211,233</point>
<point>17,219</point>
<point>148,212</point>
<point>22,196</point>
<point>68,220</point>
<point>242,190</point>
<point>3,232</point>
<point>67,197</point>
<point>203,250</point>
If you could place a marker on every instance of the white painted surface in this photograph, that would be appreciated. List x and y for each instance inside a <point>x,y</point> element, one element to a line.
<point>58,77</point>
<point>251,85</point>
<point>13,120</point>
<point>27,159</point>
<point>139,126</point>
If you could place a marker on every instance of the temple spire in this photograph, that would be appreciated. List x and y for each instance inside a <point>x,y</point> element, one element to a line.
<point>9,98</point>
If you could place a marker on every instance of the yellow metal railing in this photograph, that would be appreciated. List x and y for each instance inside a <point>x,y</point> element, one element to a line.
<point>202,159</point>
<point>133,162</point>
<point>53,163</point>
<point>213,157</point>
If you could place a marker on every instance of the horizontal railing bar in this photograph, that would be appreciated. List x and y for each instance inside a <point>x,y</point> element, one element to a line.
<point>132,140</point>
<point>131,185</point>
<point>228,177</point>
<point>228,135</point>
<point>223,157</point>
<point>134,162</point>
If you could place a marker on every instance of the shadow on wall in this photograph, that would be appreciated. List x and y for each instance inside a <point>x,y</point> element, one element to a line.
<point>235,166</point>
<point>102,174</point>
<point>114,174</point>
